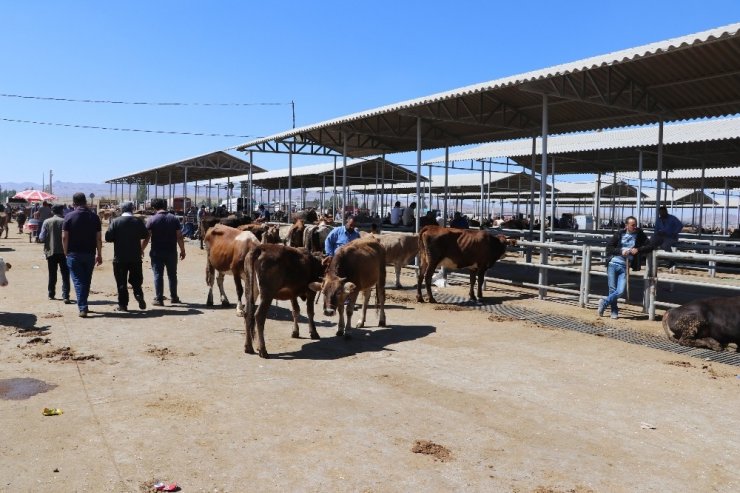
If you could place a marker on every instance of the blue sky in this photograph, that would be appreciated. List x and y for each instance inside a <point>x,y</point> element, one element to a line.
<point>330,57</point>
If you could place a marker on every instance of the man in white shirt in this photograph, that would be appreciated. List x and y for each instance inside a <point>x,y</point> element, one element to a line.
<point>396,214</point>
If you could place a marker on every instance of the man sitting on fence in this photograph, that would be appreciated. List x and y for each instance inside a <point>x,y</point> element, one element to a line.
<point>667,227</point>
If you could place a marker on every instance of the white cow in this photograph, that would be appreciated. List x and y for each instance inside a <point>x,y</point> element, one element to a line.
<point>399,250</point>
<point>4,266</point>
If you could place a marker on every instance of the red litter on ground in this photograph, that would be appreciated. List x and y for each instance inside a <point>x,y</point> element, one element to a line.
<point>162,486</point>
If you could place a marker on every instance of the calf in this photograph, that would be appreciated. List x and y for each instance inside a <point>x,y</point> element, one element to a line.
<point>226,249</point>
<point>283,273</point>
<point>712,323</point>
<point>314,236</point>
<point>356,267</point>
<point>455,248</point>
<point>399,250</point>
<point>4,267</point>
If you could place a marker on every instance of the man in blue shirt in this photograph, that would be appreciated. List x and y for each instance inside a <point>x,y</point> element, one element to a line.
<point>667,227</point>
<point>339,237</point>
<point>263,215</point>
<point>166,236</point>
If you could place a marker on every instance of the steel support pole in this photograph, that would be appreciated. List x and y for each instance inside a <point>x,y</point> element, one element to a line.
<point>639,188</point>
<point>542,278</point>
<point>482,191</point>
<point>726,222</point>
<point>250,198</point>
<point>659,166</point>
<point>701,205</point>
<point>418,172</point>
<point>334,196</point>
<point>447,187</point>
<point>185,190</point>
<point>531,198</point>
<point>552,194</point>
<point>597,202</point>
<point>290,185</point>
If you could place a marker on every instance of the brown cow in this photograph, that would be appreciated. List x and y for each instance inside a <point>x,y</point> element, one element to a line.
<point>210,221</point>
<point>283,273</point>
<point>226,249</point>
<point>271,234</point>
<point>4,267</point>
<point>711,323</point>
<point>294,236</point>
<point>356,267</point>
<point>399,250</point>
<point>456,249</point>
<point>314,236</point>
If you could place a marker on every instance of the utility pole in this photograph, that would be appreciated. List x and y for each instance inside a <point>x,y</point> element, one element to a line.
<point>51,173</point>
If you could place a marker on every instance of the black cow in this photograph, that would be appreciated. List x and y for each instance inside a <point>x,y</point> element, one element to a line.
<point>712,323</point>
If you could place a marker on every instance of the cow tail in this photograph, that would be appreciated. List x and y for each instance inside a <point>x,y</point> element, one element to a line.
<point>666,326</point>
<point>250,288</point>
<point>209,272</point>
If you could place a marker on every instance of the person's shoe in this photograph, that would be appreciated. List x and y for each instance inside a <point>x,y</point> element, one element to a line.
<point>82,314</point>
<point>51,297</point>
<point>175,300</point>
<point>157,303</point>
<point>602,307</point>
<point>615,315</point>
<point>142,304</point>
<point>120,308</point>
<point>67,301</point>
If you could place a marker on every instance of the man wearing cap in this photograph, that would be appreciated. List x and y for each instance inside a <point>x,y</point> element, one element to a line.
<point>51,236</point>
<point>81,237</point>
<point>127,233</point>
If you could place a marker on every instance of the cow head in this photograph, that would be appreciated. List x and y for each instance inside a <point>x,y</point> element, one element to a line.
<point>4,266</point>
<point>335,290</point>
<point>271,234</point>
<point>682,326</point>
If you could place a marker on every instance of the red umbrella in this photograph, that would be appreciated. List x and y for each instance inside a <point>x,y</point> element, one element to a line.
<point>34,196</point>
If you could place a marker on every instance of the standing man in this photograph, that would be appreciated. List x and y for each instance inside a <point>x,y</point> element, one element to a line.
<point>621,254</point>
<point>667,227</point>
<point>338,237</point>
<point>81,237</point>
<point>166,235</point>
<point>51,235</point>
<point>408,215</point>
<point>127,233</point>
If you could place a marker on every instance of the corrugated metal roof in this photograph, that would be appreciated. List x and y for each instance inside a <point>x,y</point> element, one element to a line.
<point>689,76</point>
<point>641,137</point>
<point>472,182</point>
<point>213,165</point>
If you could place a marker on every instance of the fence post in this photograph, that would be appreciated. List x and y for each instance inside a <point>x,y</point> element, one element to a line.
<point>712,263</point>
<point>651,284</point>
<point>542,281</point>
<point>585,275</point>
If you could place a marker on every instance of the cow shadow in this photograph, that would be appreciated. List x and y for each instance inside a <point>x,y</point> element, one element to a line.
<point>362,341</point>
<point>7,249</point>
<point>22,322</point>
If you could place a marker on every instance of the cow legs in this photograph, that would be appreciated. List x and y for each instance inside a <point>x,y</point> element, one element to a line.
<point>419,276</point>
<point>209,283</point>
<point>380,300</point>
<point>220,283</point>
<point>296,313</point>
<point>239,294</point>
<point>260,317</point>
<point>365,299</point>
<point>706,342</point>
<point>398,266</point>
<point>249,325</point>
<point>310,311</point>
<point>350,309</point>
<point>428,281</point>
<point>481,276</point>
<point>340,324</point>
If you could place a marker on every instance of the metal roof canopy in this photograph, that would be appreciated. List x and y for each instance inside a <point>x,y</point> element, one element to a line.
<point>359,172</point>
<point>691,178</point>
<point>685,145</point>
<point>687,77</point>
<point>472,182</point>
<point>214,165</point>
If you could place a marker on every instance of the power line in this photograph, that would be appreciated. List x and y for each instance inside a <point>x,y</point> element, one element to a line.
<point>140,103</point>
<point>117,129</point>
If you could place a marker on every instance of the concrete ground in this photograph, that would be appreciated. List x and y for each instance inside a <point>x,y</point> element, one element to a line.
<point>445,399</point>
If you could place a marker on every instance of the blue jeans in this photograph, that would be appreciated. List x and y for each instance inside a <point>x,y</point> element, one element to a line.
<point>160,262</point>
<point>617,275</point>
<point>81,267</point>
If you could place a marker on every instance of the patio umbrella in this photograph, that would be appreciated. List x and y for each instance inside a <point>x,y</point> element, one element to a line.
<point>34,196</point>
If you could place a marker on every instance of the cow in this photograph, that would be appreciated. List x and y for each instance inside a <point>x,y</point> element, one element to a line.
<point>226,249</point>
<point>314,236</point>
<point>735,235</point>
<point>271,234</point>
<point>4,267</point>
<point>294,235</point>
<point>356,267</point>
<point>399,250</point>
<point>278,272</point>
<point>210,221</point>
<point>308,216</point>
<point>456,248</point>
<point>711,323</point>
<point>4,223</point>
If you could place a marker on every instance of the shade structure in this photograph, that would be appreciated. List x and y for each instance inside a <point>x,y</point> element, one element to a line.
<point>472,182</point>
<point>34,196</point>
<point>209,166</point>
<point>691,178</point>
<point>359,172</point>
<point>687,77</point>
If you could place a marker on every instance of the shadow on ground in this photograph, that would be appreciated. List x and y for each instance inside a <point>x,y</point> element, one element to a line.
<point>362,341</point>
<point>21,321</point>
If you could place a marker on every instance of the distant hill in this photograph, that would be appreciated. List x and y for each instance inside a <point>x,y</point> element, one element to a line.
<point>64,190</point>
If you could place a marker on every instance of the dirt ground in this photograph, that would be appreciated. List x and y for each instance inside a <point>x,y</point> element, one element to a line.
<point>448,399</point>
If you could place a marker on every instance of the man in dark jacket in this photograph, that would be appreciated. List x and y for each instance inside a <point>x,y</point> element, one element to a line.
<point>622,252</point>
<point>127,234</point>
<point>51,235</point>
